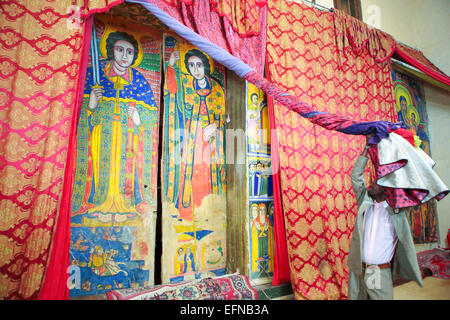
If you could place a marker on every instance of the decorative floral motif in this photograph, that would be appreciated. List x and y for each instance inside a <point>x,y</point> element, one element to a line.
<point>36,100</point>
<point>229,287</point>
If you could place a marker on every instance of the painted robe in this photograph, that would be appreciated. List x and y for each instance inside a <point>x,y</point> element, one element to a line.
<point>262,241</point>
<point>114,156</point>
<point>201,170</point>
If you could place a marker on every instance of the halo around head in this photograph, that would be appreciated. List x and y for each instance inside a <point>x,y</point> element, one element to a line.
<point>412,110</point>
<point>401,90</point>
<point>184,47</point>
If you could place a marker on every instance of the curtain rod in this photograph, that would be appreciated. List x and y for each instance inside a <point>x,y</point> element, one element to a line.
<point>318,6</point>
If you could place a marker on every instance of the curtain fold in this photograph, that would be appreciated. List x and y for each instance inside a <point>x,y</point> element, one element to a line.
<point>353,33</point>
<point>242,15</point>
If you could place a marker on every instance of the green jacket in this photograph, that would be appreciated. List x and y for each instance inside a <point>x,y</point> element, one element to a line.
<point>404,262</point>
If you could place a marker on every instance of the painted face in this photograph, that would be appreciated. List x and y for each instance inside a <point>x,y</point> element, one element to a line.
<point>196,67</point>
<point>254,212</point>
<point>123,53</point>
<point>255,100</point>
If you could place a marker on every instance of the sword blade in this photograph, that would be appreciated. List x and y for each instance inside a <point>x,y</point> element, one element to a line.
<point>94,56</point>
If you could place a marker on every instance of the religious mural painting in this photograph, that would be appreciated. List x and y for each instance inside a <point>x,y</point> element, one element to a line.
<point>258,127</point>
<point>411,109</point>
<point>193,165</point>
<point>115,179</point>
<point>260,185</point>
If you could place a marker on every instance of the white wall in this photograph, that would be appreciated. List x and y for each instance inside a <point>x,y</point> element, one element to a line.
<point>438,105</point>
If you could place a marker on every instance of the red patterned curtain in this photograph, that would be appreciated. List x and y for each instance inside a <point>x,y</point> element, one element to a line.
<point>311,58</point>
<point>39,70</point>
<point>418,60</point>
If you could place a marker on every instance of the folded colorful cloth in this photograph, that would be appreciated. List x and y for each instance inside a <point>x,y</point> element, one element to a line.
<point>406,173</point>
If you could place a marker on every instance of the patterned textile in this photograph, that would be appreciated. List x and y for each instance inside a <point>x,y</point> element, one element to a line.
<point>242,15</point>
<point>353,34</point>
<point>319,205</point>
<point>379,129</point>
<point>228,287</point>
<point>202,17</point>
<point>39,64</point>
<point>437,261</point>
<point>405,172</point>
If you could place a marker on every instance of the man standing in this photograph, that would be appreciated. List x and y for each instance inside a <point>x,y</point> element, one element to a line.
<point>381,248</point>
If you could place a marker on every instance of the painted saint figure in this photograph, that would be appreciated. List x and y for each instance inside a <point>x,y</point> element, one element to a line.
<point>253,122</point>
<point>114,145</point>
<point>197,109</point>
<point>403,109</point>
<point>189,261</point>
<point>262,225</point>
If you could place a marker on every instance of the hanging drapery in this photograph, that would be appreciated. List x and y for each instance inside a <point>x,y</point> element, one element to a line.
<point>40,64</point>
<point>317,195</point>
<point>354,35</point>
<point>418,60</point>
<point>381,46</point>
<point>281,272</point>
<point>241,15</point>
<point>55,285</point>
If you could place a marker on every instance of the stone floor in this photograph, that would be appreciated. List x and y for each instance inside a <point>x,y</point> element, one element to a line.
<point>433,289</point>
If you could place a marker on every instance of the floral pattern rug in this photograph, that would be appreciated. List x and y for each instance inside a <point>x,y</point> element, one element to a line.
<point>229,287</point>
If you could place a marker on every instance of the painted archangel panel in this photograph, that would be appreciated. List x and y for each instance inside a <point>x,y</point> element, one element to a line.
<point>194,171</point>
<point>114,192</point>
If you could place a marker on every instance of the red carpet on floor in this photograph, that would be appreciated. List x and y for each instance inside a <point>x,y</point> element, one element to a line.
<point>437,261</point>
